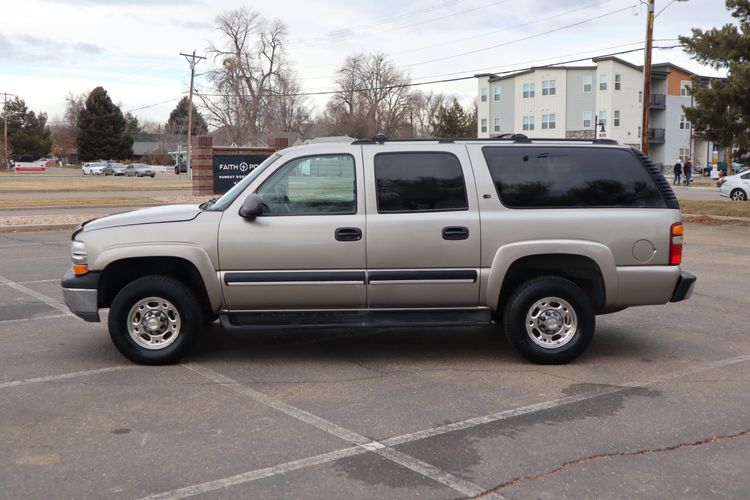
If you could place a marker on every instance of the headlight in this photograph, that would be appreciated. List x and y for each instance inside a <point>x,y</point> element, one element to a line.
<point>79,257</point>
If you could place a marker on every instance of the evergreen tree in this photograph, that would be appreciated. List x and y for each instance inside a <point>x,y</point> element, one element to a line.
<point>454,121</point>
<point>131,124</point>
<point>28,132</point>
<point>178,120</point>
<point>721,111</point>
<point>102,130</point>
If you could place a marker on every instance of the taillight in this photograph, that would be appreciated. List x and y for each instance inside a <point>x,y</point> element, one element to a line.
<point>675,243</point>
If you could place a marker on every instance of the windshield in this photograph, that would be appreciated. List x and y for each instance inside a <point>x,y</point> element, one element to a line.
<point>231,195</point>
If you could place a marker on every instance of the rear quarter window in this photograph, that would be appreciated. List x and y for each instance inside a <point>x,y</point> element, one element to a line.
<point>567,177</point>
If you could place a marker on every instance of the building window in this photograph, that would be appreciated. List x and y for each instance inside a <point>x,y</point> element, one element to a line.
<point>684,154</point>
<point>684,123</point>
<point>529,89</point>
<point>528,123</point>
<point>618,82</point>
<point>639,132</point>
<point>496,125</point>
<point>483,94</point>
<point>640,97</point>
<point>548,121</point>
<point>603,81</point>
<point>603,118</point>
<point>484,124</point>
<point>587,117</point>
<point>616,119</point>
<point>496,93</point>
<point>549,87</point>
<point>588,83</point>
<point>684,87</point>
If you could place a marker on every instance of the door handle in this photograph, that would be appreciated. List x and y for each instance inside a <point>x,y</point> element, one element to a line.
<point>455,233</point>
<point>348,234</point>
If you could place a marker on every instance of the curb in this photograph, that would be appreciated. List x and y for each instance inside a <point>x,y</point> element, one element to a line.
<point>715,219</point>
<point>25,228</point>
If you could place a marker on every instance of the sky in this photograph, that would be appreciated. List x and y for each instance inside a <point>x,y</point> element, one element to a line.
<point>49,48</point>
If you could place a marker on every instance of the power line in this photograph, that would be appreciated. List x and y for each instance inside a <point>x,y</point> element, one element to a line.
<point>445,80</point>
<point>406,26</point>
<point>529,37</point>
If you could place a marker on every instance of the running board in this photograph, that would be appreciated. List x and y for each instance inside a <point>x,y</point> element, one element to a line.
<point>357,318</point>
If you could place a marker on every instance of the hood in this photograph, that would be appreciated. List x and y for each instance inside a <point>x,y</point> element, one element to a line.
<point>167,213</point>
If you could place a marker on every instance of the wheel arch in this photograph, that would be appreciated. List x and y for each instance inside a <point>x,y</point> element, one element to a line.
<point>588,264</point>
<point>118,271</point>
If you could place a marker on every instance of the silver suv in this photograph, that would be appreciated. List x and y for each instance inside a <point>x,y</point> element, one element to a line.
<point>538,236</point>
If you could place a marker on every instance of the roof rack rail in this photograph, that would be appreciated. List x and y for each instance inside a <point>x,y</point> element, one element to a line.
<point>517,138</point>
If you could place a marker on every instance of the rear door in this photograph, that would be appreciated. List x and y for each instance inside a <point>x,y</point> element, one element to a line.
<point>423,238</point>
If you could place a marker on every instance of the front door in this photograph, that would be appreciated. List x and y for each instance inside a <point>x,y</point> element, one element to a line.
<point>307,250</point>
<point>422,227</point>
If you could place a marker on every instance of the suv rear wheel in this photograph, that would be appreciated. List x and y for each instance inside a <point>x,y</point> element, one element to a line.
<point>549,320</point>
<point>155,320</point>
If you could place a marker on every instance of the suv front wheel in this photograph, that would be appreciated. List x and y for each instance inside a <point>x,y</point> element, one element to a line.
<point>549,320</point>
<point>155,320</point>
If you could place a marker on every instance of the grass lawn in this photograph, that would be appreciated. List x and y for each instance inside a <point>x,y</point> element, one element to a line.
<point>27,183</point>
<point>717,207</point>
<point>77,202</point>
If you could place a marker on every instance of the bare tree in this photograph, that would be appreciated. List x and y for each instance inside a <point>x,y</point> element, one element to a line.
<point>425,107</point>
<point>373,97</point>
<point>251,78</point>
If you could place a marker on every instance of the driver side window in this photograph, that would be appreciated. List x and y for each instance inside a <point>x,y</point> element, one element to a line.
<point>312,185</point>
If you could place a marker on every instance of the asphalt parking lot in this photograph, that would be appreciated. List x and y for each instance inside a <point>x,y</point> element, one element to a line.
<point>657,407</point>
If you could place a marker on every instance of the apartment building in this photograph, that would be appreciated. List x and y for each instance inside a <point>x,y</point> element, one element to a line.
<point>602,100</point>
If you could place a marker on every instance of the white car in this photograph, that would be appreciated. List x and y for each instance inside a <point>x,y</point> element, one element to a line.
<point>736,187</point>
<point>92,168</point>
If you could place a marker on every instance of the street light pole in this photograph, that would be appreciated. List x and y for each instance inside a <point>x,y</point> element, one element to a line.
<point>647,77</point>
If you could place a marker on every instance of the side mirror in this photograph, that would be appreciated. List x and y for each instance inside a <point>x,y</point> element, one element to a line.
<point>252,207</point>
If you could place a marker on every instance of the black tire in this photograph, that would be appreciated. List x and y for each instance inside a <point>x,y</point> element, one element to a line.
<point>189,320</point>
<point>521,306</point>
<point>738,195</point>
<point>177,171</point>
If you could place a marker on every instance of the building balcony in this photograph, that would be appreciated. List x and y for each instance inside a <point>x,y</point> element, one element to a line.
<point>658,101</point>
<point>656,136</point>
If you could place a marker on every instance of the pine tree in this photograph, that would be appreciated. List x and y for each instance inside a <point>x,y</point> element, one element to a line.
<point>102,129</point>
<point>28,132</point>
<point>454,121</point>
<point>721,111</point>
<point>178,120</point>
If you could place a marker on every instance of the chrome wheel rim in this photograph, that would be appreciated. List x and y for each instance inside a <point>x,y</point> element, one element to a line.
<point>738,195</point>
<point>154,323</point>
<point>551,322</point>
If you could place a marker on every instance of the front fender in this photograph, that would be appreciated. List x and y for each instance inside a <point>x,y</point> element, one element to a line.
<point>508,254</point>
<point>194,254</point>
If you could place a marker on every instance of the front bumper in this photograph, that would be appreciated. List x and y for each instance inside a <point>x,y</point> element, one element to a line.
<point>684,288</point>
<point>81,295</point>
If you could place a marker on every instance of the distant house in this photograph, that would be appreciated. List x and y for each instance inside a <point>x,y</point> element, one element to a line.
<point>155,146</point>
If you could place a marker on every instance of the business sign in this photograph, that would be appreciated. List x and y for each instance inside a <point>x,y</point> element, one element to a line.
<point>231,169</point>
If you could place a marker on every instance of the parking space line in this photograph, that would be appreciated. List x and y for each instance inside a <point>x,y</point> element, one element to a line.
<point>34,282</point>
<point>383,447</point>
<point>36,318</point>
<point>35,258</point>
<point>254,475</point>
<point>430,471</point>
<point>47,300</point>
<point>64,376</point>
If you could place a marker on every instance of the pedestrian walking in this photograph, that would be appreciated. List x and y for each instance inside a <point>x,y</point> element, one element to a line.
<point>677,172</point>
<point>688,172</point>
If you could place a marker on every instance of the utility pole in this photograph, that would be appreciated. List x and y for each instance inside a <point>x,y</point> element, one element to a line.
<point>647,77</point>
<point>5,130</point>
<point>192,61</point>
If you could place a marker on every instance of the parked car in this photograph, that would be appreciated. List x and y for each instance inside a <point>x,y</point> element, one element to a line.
<point>93,168</point>
<point>139,170</point>
<point>538,236</point>
<point>736,187</point>
<point>180,168</point>
<point>114,169</point>
<point>27,163</point>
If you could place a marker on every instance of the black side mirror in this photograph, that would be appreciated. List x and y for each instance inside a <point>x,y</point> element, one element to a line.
<point>252,207</point>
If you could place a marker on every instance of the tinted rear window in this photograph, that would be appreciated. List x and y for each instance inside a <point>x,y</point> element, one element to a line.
<point>533,177</point>
<point>419,182</point>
